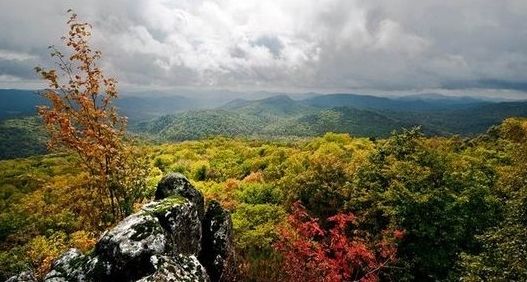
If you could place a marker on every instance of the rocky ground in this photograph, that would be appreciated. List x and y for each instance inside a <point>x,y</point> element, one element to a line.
<point>174,238</point>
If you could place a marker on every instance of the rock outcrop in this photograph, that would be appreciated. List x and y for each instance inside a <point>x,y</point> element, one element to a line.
<point>170,239</point>
<point>216,243</point>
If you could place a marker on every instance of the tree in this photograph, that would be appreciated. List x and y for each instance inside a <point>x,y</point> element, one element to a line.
<point>312,253</point>
<point>442,197</point>
<point>81,118</point>
<point>503,256</point>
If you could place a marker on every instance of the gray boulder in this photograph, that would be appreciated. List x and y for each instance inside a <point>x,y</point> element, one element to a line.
<point>127,248</point>
<point>180,220</point>
<point>176,268</point>
<point>162,242</point>
<point>218,250</point>
<point>70,266</point>
<point>26,276</point>
<point>176,184</point>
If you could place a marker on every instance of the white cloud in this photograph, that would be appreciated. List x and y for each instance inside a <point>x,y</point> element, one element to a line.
<point>15,56</point>
<point>9,78</point>
<point>386,44</point>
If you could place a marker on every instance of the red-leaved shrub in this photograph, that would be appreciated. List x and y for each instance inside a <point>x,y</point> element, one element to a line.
<point>312,253</point>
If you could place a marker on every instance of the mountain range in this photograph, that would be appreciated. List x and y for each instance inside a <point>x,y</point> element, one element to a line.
<point>272,115</point>
<point>359,115</point>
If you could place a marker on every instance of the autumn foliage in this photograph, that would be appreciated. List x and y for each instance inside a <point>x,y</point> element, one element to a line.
<point>313,253</point>
<point>81,118</point>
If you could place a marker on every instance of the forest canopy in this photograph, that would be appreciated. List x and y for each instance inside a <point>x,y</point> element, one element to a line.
<point>456,204</point>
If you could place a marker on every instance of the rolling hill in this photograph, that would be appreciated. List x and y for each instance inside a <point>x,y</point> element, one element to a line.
<point>18,103</point>
<point>468,121</point>
<point>22,103</point>
<point>200,124</point>
<point>179,118</point>
<point>281,116</point>
<point>276,106</point>
<point>22,137</point>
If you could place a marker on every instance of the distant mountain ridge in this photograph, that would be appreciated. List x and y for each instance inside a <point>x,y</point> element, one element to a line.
<point>19,103</point>
<point>412,103</point>
<point>446,100</point>
<point>359,115</point>
<point>280,105</point>
<point>184,118</point>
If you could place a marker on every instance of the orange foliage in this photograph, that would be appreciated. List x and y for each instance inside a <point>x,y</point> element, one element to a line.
<point>82,241</point>
<point>254,177</point>
<point>81,118</point>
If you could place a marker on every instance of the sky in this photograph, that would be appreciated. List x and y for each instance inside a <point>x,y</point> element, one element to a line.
<point>462,46</point>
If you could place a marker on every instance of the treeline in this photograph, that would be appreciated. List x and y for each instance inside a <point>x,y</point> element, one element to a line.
<point>419,208</point>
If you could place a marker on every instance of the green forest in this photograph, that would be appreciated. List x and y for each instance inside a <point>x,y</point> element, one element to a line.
<point>460,203</point>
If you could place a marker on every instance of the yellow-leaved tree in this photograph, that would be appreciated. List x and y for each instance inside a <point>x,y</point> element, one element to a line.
<point>81,118</point>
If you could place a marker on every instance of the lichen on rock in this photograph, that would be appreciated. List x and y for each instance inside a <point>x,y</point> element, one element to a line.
<point>71,266</point>
<point>131,244</point>
<point>177,268</point>
<point>179,218</point>
<point>176,184</point>
<point>26,276</point>
<point>218,254</point>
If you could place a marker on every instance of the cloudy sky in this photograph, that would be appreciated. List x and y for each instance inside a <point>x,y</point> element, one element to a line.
<point>324,45</point>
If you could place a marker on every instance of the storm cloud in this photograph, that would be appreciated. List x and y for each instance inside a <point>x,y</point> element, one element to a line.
<point>327,44</point>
